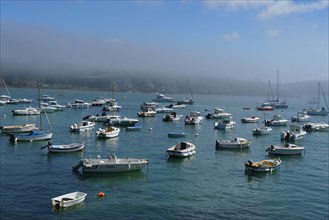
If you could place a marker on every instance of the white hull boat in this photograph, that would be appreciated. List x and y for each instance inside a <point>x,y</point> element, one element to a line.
<point>316,126</point>
<point>268,165</point>
<point>162,98</point>
<point>218,114</point>
<point>225,123</point>
<point>261,131</point>
<point>109,132</point>
<point>237,143</point>
<point>296,132</point>
<point>110,165</point>
<point>277,120</point>
<point>301,117</point>
<point>18,128</point>
<point>181,149</point>
<point>194,118</point>
<point>69,199</point>
<point>82,126</point>
<point>65,148</point>
<point>121,121</point>
<point>26,111</point>
<point>287,149</point>
<point>34,135</point>
<point>253,119</point>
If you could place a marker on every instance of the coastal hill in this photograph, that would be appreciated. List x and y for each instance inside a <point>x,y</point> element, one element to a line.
<point>146,83</point>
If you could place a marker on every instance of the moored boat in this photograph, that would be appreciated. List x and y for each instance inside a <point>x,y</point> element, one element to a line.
<point>18,128</point>
<point>69,199</point>
<point>162,98</point>
<point>226,123</point>
<point>287,149</point>
<point>64,148</point>
<point>109,132</point>
<point>110,165</point>
<point>82,126</point>
<point>252,119</point>
<point>267,165</point>
<point>316,126</point>
<point>26,111</point>
<point>261,131</point>
<point>296,132</point>
<point>277,120</point>
<point>237,143</point>
<point>181,149</point>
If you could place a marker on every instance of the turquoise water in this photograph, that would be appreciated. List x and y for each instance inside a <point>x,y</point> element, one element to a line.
<point>210,185</point>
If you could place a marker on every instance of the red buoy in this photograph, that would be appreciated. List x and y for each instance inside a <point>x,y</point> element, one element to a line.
<point>101,194</point>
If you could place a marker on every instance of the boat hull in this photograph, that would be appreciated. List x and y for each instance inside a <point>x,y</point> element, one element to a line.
<point>68,200</point>
<point>33,136</point>
<point>66,148</point>
<point>18,128</point>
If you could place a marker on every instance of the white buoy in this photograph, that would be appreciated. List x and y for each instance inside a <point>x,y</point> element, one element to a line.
<point>150,129</point>
<point>196,134</point>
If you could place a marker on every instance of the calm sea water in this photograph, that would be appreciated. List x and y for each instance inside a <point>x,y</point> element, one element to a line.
<point>210,185</point>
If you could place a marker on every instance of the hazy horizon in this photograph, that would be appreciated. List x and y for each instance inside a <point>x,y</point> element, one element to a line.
<point>247,40</point>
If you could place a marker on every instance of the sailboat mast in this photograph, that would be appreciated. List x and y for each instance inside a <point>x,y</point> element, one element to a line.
<point>278,83</point>
<point>318,95</point>
<point>38,84</point>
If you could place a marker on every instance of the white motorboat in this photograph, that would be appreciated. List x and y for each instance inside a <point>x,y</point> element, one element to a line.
<point>226,123</point>
<point>171,117</point>
<point>277,120</point>
<point>109,132</point>
<point>164,110</point>
<point>24,101</point>
<point>261,131</point>
<point>237,143</point>
<point>120,121</point>
<point>64,148</point>
<point>69,199</point>
<point>162,98</point>
<point>193,118</point>
<point>46,98</point>
<point>252,119</point>
<point>78,103</point>
<point>301,117</point>
<point>99,118</point>
<point>316,126</point>
<point>18,128</point>
<point>268,165</point>
<point>217,114</point>
<point>48,109</point>
<point>177,106</point>
<point>111,164</point>
<point>287,149</point>
<point>113,106</point>
<point>296,132</point>
<point>82,126</point>
<point>26,111</point>
<point>147,113</point>
<point>181,149</point>
<point>58,107</point>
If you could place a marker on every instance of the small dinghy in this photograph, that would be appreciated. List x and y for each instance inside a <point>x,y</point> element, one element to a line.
<point>263,166</point>
<point>65,148</point>
<point>69,199</point>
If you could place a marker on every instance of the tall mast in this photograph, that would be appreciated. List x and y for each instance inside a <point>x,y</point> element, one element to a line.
<point>278,93</point>
<point>38,84</point>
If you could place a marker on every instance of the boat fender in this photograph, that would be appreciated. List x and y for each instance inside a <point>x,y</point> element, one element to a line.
<point>101,194</point>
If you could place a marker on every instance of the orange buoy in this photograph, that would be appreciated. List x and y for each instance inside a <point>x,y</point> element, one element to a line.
<point>101,194</point>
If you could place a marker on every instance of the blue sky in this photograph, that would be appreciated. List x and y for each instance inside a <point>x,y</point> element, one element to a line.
<point>236,39</point>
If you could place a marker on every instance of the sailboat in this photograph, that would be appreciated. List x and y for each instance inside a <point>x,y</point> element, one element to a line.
<point>323,111</point>
<point>283,104</point>
<point>275,103</point>
<point>35,134</point>
<point>187,101</point>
